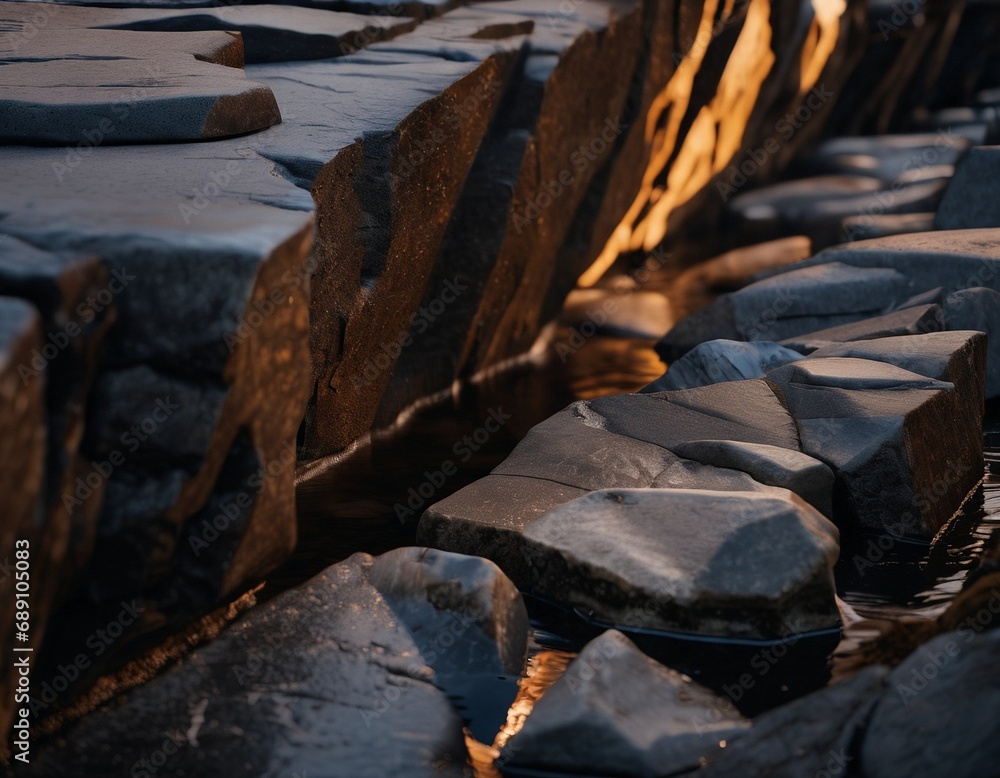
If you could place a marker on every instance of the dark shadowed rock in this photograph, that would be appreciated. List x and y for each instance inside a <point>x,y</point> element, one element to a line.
<point>731,564</point>
<point>616,712</point>
<point>814,735</point>
<point>935,714</point>
<point>971,201</point>
<point>723,360</point>
<point>786,468</point>
<point>22,478</point>
<point>65,85</point>
<point>816,207</point>
<point>322,680</point>
<point>469,622</point>
<point>978,309</point>
<point>904,447</point>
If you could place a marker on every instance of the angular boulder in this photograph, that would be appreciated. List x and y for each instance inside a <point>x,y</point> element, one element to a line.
<point>726,564</point>
<point>814,735</point>
<point>616,712</point>
<point>717,361</point>
<point>322,680</point>
<point>905,448</point>
<point>936,713</point>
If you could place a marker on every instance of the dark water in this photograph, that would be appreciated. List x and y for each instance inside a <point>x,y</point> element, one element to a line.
<point>370,499</point>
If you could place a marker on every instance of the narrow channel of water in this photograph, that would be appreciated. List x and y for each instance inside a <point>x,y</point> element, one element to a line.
<point>370,500</point>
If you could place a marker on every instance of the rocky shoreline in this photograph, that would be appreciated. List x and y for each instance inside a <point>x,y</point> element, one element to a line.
<point>387,200</point>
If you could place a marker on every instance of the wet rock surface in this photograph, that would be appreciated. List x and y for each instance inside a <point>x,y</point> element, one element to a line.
<point>440,178</point>
<point>323,680</point>
<point>729,564</point>
<point>617,712</point>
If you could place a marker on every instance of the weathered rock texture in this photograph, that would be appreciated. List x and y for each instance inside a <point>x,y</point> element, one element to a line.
<point>338,677</point>
<point>440,178</point>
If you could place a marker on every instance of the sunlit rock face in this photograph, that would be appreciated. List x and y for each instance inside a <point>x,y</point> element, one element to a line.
<point>381,204</point>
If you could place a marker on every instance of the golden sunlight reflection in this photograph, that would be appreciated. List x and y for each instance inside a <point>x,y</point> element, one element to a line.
<point>543,670</point>
<point>679,168</point>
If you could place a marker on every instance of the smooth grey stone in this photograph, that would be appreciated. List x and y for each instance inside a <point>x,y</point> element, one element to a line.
<point>978,308</point>
<point>786,468</point>
<point>325,679</point>
<point>971,201</point>
<point>271,33</point>
<point>566,449</point>
<point>816,207</point>
<point>615,711</point>
<point>746,411</point>
<point>915,320</point>
<point>799,300</point>
<point>905,448</point>
<point>68,85</point>
<point>487,519</point>
<point>936,714</point>
<point>814,735</point>
<point>947,356</point>
<point>951,259</point>
<point>717,361</point>
<point>726,564</point>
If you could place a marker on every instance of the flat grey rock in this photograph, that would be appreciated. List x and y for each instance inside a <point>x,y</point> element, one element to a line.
<point>813,735</point>
<point>914,320</point>
<point>971,201</point>
<point>69,86</point>
<point>933,717</point>
<point>324,680</point>
<point>615,711</point>
<point>786,468</point>
<point>947,356</point>
<point>745,411</point>
<point>905,448</point>
<point>799,300</point>
<point>726,564</point>
<point>717,361</point>
<point>270,33</point>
